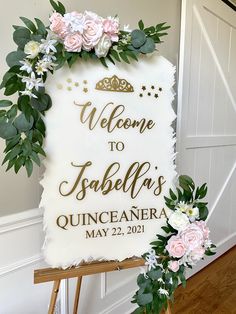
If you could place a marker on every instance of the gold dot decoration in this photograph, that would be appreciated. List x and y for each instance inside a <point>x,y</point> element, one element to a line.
<point>151,90</point>
<point>59,86</point>
<point>70,85</point>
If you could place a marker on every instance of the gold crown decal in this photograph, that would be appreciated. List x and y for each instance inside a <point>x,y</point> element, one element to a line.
<point>114,84</point>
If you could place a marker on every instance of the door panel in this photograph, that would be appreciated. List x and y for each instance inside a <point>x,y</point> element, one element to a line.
<point>206,128</point>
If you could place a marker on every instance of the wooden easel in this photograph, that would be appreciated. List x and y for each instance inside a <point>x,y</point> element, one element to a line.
<point>56,275</point>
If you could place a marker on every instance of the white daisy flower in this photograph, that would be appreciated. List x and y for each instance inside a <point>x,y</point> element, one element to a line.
<point>151,259</point>
<point>163,291</point>
<point>26,66</point>
<point>207,244</point>
<point>160,280</point>
<point>32,82</point>
<point>41,67</point>
<point>48,45</point>
<point>28,93</point>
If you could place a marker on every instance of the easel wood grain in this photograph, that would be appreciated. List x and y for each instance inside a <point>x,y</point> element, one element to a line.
<point>56,275</point>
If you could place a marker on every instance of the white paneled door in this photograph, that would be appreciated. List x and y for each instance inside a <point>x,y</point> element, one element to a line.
<point>207,110</point>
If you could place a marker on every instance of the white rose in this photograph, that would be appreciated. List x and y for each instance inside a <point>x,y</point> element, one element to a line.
<point>103,46</point>
<point>178,220</point>
<point>32,49</point>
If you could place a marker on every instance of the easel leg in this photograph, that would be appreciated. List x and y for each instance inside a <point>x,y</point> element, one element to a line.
<point>77,294</point>
<point>168,310</point>
<point>54,294</point>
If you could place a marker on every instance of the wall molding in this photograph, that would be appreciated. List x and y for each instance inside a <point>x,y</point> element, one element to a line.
<point>21,220</point>
<point>20,264</point>
<point>115,305</point>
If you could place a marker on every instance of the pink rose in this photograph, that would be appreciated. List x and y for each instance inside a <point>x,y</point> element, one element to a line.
<point>196,254</point>
<point>73,42</point>
<point>205,230</point>
<point>176,247</point>
<point>192,236</point>
<point>111,28</point>
<point>58,25</point>
<point>93,30</point>
<point>173,266</point>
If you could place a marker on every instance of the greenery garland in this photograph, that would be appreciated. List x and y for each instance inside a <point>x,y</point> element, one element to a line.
<point>39,51</point>
<point>184,242</point>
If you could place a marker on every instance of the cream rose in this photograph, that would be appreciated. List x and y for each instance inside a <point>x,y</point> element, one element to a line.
<point>173,266</point>
<point>93,30</point>
<point>103,46</point>
<point>32,49</point>
<point>176,247</point>
<point>192,237</point>
<point>73,42</point>
<point>178,220</point>
<point>58,25</point>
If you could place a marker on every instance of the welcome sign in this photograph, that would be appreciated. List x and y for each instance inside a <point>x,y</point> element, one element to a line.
<point>109,162</point>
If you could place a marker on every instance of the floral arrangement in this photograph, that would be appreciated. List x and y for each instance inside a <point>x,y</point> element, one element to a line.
<point>40,50</point>
<point>184,243</point>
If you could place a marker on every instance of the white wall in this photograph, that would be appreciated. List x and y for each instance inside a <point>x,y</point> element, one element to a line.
<point>19,193</point>
<point>21,234</point>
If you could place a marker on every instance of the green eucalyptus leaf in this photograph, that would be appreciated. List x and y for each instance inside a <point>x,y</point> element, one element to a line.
<point>21,36</point>
<point>29,167</point>
<point>29,24</point>
<point>7,76</point>
<point>42,103</point>
<point>148,47</point>
<point>144,298</point>
<point>12,142</point>
<point>138,38</point>
<point>155,274</point>
<point>124,57</point>
<point>35,158</point>
<point>5,103</point>
<point>11,114</point>
<point>115,55</point>
<point>41,27</point>
<point>7,130</point>
<point>20,161</point>
<point>14,57</point>
<point>36,37</point>
<point>22,124</point>
<point>103,62</point>
<point>141,25</point>
<point>27,147</point>
<point>58,7</point>
<point>11,89</point>
<point>11,163</point>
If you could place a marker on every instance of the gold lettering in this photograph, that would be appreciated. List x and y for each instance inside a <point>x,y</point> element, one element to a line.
<point>114,119</point>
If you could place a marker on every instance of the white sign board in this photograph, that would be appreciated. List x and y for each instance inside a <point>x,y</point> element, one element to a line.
<point>109,162</point>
